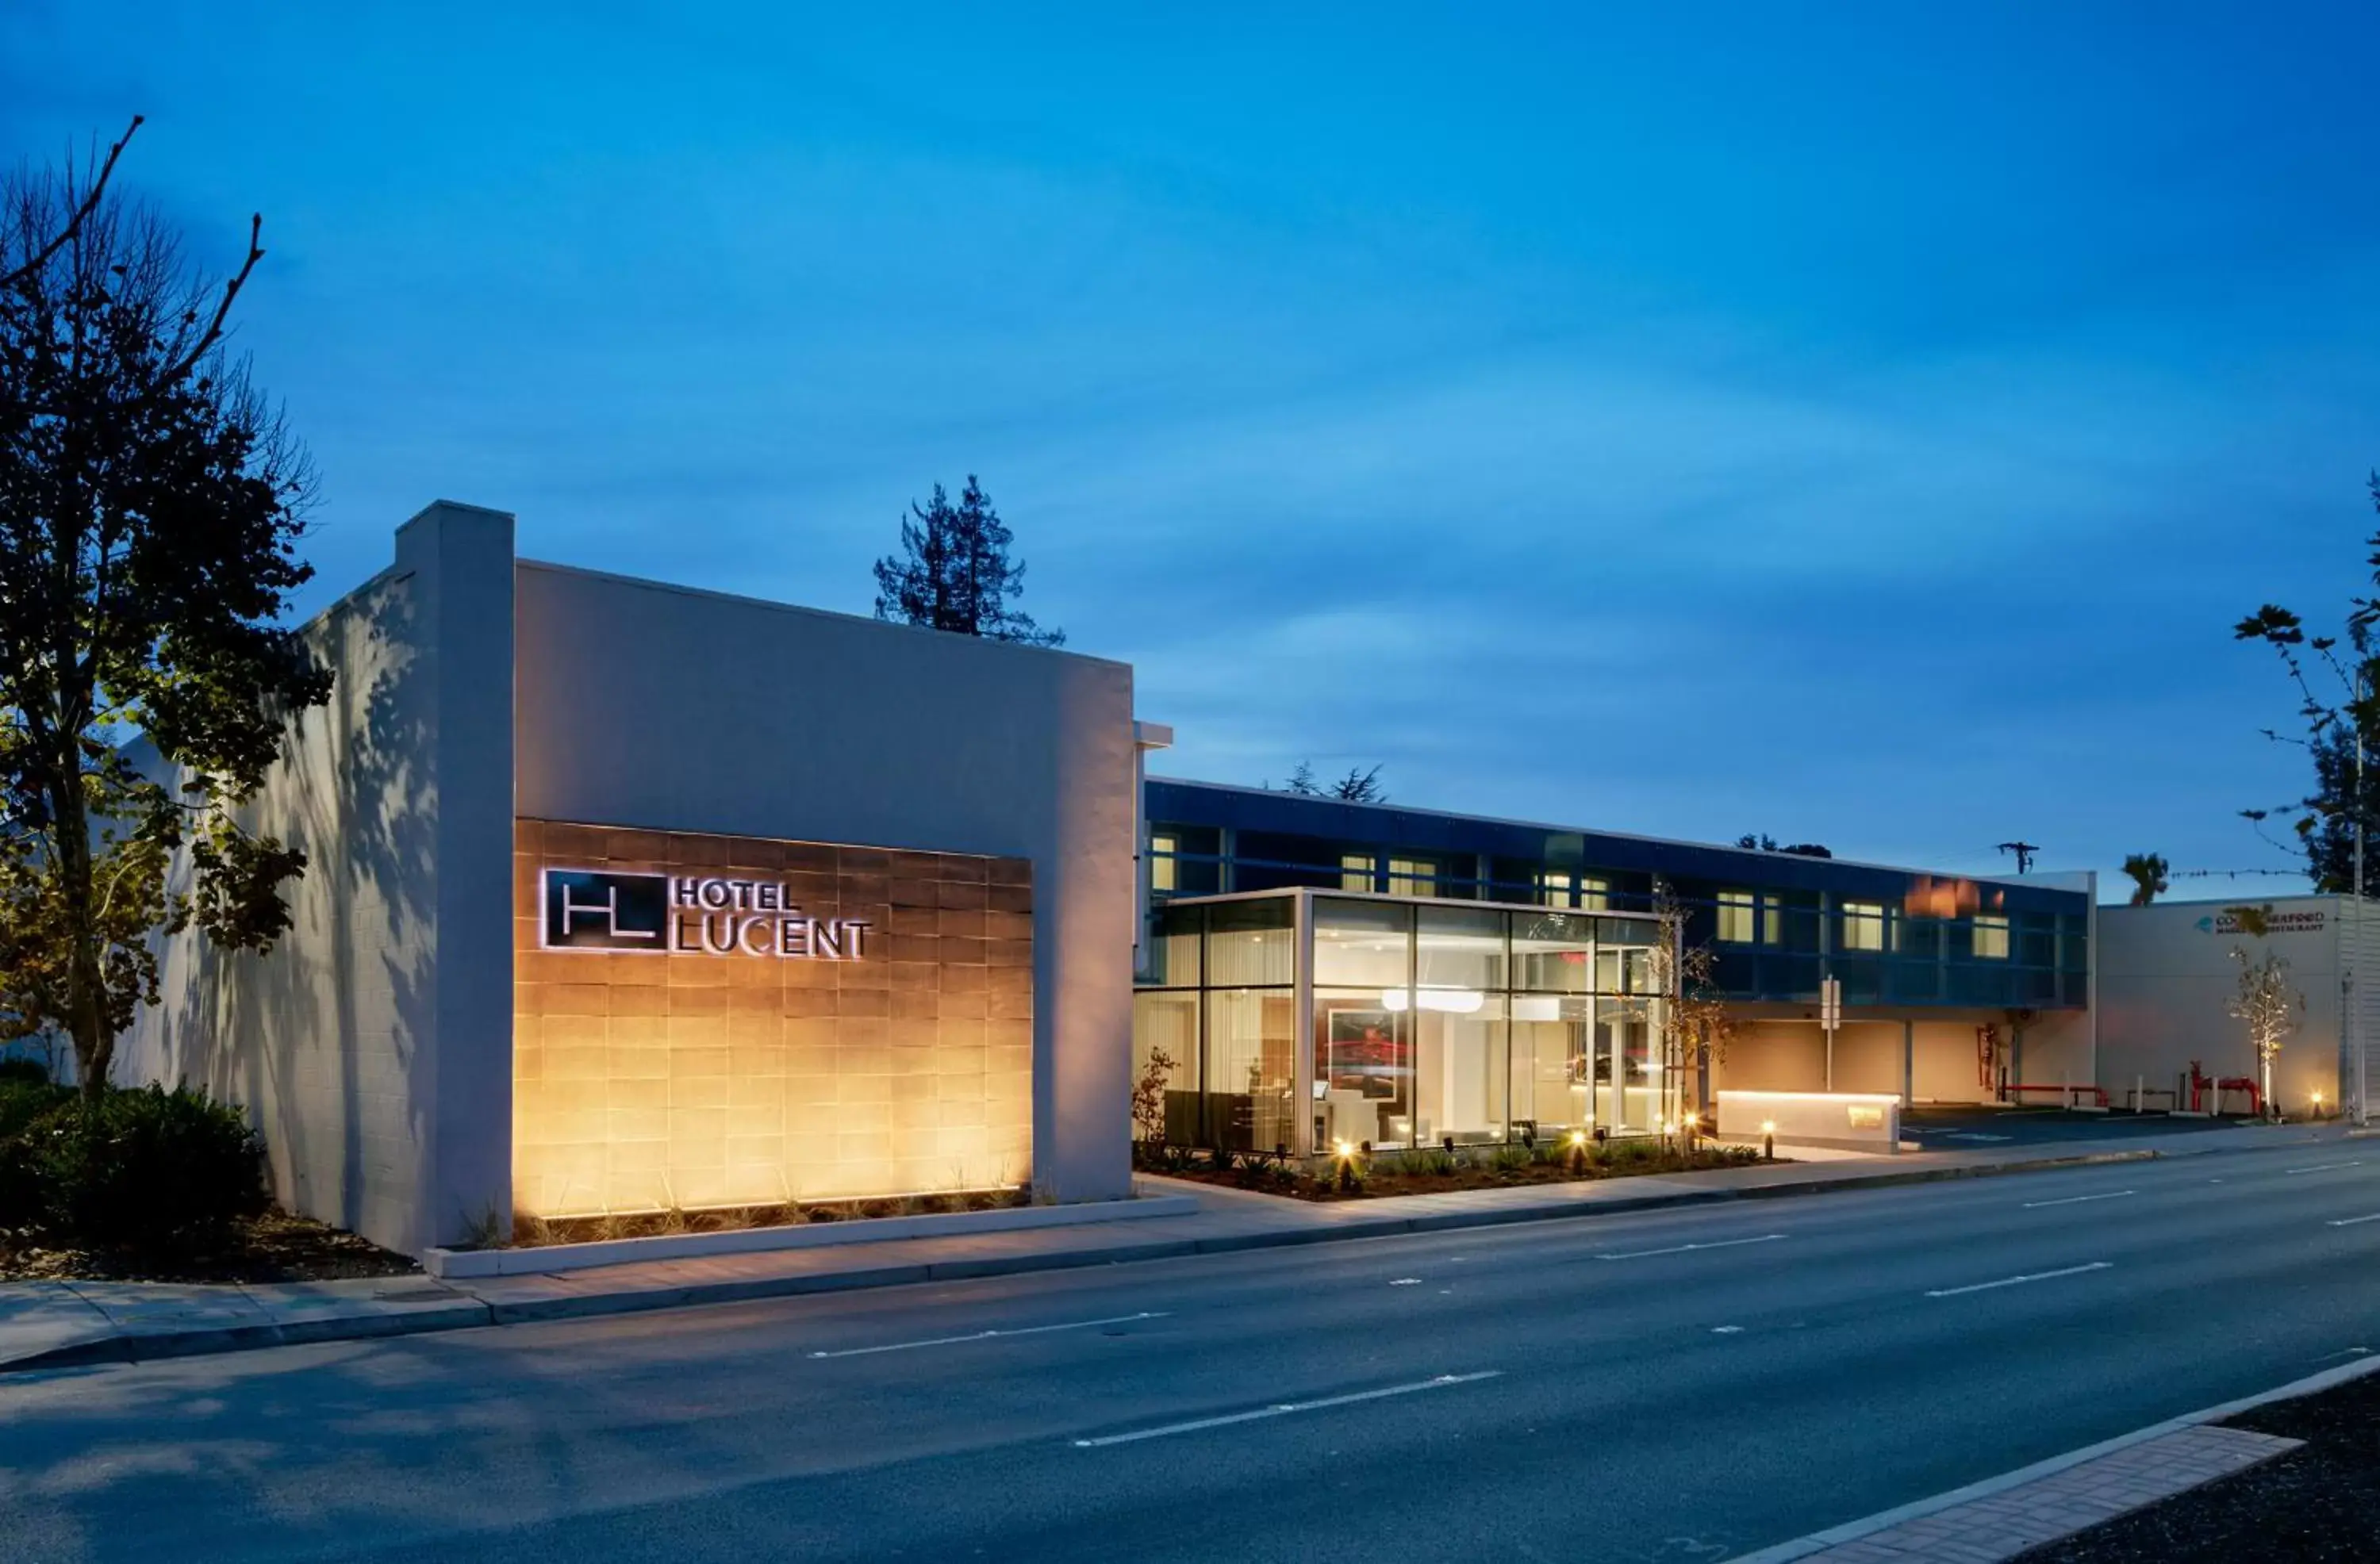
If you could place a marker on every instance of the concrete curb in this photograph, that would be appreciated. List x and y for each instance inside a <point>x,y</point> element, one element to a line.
<point>1867,1525</point>
<point>478,1264</point>
<point>469,1311</point>
<point>149,1346</point>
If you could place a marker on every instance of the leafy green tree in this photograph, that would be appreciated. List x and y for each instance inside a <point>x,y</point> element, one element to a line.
<point>953,572</point>
<point>2337,683</point>
<point>149,515</point>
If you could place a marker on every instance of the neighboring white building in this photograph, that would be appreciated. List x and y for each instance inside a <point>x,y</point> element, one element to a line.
<point>2167,977</point>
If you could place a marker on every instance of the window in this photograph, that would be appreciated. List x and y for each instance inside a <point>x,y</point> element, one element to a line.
<point>1355,872</point>
<point>1992,936</point>
<point>1160,861</point>
<point>1737,911</point>
<point>1413,877</point>
<point>1565,888</point>
<point>1863,926</point>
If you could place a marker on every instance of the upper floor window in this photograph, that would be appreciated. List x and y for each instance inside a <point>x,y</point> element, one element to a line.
<point>1162,846</point>
<point>1562,888</point>
<point>1992,936</point>
<point>1739,915</point>
<point>1355,872</point>
<point>1863,926</point>
<point>1413,877</point>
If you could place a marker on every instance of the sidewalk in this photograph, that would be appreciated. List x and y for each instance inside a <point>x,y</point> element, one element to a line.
<point>2003,1517</point>
<point>63,1323</point>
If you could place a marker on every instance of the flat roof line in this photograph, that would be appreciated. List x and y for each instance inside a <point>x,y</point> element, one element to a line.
<point>2030,882</point>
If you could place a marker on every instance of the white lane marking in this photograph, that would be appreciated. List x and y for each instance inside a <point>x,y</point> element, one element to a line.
<point>1282,1409</point>
<point>1406,1281</point>
<point>1727,1330</point>
<point>2017,1280</point>
<point>2350,1222</point>
<point>2077,1199</point>
<point>2324,1167</point>
<point>1690,1248</point>
<point>989,1335</point>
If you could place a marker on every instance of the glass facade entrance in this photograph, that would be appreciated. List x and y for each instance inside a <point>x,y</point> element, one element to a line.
<point>1296,1019</point>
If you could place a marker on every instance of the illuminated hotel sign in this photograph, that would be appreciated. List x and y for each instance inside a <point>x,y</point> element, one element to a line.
<point>686,914</point>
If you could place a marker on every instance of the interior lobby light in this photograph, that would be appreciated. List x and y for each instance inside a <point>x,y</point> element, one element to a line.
<point>1453,1001</point>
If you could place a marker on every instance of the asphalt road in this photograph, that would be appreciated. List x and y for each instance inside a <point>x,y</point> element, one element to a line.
<point>1669,1385</point>
<point>1975,1129</point>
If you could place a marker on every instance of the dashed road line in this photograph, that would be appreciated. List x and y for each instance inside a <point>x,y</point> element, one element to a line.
<point>1284,1409</point>
<point>1690,1248</point>
<point>2019,1281</point>
<point>989,1335</point>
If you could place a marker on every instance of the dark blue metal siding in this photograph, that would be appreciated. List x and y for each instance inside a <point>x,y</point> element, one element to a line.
<point>1199,804</point>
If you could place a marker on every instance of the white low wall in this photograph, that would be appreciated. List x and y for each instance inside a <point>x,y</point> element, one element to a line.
<point>1854,1120</point>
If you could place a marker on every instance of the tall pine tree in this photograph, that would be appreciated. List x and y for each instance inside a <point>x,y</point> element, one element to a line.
<point>953,572</point>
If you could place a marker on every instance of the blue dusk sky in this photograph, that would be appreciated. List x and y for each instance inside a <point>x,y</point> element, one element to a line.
<point>1860,423</point>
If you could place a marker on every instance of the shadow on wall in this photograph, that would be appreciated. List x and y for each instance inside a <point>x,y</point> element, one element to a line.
<point>322,1037</point>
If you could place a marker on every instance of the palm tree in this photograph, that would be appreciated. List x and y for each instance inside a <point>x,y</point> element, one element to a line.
<point>2148,872</point>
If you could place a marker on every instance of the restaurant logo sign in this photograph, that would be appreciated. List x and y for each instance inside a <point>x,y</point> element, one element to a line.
<point>2311,920</point>
<point>686,914</point>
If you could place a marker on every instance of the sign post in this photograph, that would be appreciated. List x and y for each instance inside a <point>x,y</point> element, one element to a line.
<point>1830,1016</point>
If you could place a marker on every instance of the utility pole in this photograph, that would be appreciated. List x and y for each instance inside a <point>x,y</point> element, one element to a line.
<point>2024,851</point>
<point>2355,910</point>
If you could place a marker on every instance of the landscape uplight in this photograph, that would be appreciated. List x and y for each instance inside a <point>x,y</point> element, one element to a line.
<point>1768,1140</point>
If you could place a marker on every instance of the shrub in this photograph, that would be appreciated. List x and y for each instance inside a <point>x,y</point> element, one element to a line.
<point>21,1203</point>
<point>24,1103</point>
<point>148,1168</point>
<point>31,1070</point>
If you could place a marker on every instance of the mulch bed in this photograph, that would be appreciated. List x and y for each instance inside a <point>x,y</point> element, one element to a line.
<point>2319,1502</point>
<point>274,1247</point>
<point>536,1232</point>
<point>1386,1178</point>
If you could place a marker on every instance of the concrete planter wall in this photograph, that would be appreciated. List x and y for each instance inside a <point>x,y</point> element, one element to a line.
<point>463,1263</point>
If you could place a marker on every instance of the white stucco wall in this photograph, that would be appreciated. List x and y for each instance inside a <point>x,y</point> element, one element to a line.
<point>2164,982</point>
<point>372,1046</point>
<point>641,704</point>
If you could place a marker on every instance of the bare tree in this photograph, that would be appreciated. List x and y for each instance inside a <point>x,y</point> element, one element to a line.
<point>2270,1008</point>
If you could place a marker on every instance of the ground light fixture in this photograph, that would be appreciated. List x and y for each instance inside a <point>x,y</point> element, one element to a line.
<point>1768,1140</point>
<point>1576,1157</point>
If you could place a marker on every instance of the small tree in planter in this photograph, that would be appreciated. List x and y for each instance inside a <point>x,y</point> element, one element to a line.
<point>1696,1024</point>
<point>1148,1099</point>
<point>2271,1008</point>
